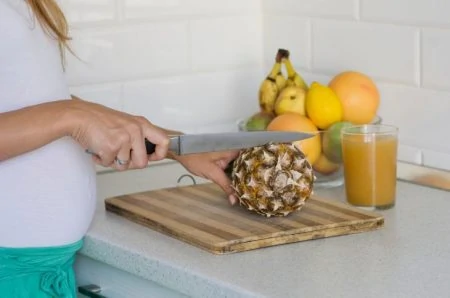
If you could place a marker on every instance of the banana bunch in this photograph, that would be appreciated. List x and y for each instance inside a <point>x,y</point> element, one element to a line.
<point>294,79</point>
<point>275,82</point>
<point>271,87</point>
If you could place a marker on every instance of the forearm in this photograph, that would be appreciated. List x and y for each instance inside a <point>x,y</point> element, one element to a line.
<point>29,128</point>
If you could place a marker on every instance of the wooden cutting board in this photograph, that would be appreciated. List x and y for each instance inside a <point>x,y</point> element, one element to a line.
<point>201,215</point>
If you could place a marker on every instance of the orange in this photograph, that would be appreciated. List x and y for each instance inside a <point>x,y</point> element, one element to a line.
<point>324,166</point>
<point>311,147</point>
<point>358,94</point>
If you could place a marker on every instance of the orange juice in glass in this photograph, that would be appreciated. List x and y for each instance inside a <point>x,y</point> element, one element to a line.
<point>369,154</point>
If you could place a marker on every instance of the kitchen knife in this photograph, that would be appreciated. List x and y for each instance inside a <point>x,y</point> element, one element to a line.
<point>211,142</point>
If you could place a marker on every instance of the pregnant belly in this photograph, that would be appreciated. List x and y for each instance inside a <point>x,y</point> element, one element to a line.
<point>48,196</point>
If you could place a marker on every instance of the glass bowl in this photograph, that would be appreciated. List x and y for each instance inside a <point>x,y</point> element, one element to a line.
<point>333,176</point>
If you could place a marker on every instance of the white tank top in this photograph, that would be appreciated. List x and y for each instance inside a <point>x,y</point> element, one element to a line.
<point>47,196</point>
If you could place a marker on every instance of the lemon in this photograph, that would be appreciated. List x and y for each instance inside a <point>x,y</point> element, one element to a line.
<point>323,106</point>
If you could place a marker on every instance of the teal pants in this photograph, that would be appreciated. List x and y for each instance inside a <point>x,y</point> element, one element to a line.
<point>43,272</point>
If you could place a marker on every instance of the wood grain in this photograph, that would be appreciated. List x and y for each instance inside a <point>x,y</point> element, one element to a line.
<point>201,216</point>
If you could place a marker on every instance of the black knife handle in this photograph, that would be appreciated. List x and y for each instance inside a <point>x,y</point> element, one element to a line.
<point>149,146</point>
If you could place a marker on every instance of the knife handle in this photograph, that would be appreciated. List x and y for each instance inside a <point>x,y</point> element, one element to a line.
<point>149,146</point>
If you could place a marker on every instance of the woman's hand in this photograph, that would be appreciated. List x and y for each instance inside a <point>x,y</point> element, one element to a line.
<point>116,139</point>
<point>211,166</point>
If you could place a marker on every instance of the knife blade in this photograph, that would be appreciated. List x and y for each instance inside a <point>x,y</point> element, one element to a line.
<point>211,142</point>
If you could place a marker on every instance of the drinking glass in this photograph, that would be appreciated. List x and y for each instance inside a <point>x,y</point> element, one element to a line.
<point>369,154</point>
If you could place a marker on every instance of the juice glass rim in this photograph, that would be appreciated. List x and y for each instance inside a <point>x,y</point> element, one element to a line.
<point>366,129</point>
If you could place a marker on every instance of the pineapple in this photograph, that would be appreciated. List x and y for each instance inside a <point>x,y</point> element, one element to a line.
<point>272,180</point>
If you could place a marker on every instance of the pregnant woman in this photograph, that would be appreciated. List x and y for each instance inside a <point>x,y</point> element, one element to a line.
<point>47,180</point>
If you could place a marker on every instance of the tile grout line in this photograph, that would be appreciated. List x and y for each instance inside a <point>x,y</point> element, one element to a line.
<point>190,51</point>
<point>121,17</point>
<point>366,20</point>
<point>358,10</point>
<point>419,58</point>
<point>119,11</point>
<point>243,68</point>
<point>168,75</point>
<point>122,96</point>
<point>122,22</point>
<point>310,50</point>
<point>263,38</point>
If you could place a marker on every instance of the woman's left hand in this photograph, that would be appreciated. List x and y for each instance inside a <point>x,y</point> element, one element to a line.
<point>211,166</point>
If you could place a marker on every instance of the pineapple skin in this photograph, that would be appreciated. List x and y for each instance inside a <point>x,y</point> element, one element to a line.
<point>273,179</point>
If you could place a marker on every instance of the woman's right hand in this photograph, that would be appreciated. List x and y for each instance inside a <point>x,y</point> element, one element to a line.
<point>116,139</point>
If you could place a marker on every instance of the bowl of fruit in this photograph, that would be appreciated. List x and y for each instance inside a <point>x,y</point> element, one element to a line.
<point>289,103</point>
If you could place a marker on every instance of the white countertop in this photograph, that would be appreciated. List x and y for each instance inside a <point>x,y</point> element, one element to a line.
<point>409,257</point>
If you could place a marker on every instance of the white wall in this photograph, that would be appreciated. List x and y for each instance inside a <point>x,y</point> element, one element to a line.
<point>185,64</point>
<point>196,65</point>
<point>403,44</point>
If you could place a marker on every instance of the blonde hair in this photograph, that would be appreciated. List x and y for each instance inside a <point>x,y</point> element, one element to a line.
<point>53,21</point>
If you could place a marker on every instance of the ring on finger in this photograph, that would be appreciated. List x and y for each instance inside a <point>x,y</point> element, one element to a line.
<point>122,162</point>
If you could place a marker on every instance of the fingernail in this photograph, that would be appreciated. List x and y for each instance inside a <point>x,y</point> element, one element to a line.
<point>232,199</point>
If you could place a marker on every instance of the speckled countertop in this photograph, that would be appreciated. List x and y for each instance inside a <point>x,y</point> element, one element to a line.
<point>409,257</point>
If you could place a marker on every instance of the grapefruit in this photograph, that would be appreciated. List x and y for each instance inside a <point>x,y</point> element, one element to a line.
<point>311,147</point>
<point>358,94</point>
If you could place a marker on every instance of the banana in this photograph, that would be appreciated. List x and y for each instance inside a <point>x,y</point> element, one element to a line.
<point>294,79</point>
<point>281,81</point>
<point>270,87</point>
<point>267,94</point>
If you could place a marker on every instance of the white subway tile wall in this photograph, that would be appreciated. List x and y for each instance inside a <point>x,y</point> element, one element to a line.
<point>90,11</point>
<point>404,45</point>
<point>278,33</point>
<point>435,58</point>
<point>341,9</point>
<point>191,65</point>
<point>413,12</point>
<point>129,52</point>
<point>362,46</point>
<point>145,9</point>
<point>196,65</point>
<point>193,101</point>
<point>109,94</point>
<point>226,43</point>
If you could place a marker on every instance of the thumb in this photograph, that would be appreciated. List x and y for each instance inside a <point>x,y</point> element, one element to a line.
<point>218,176</point>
